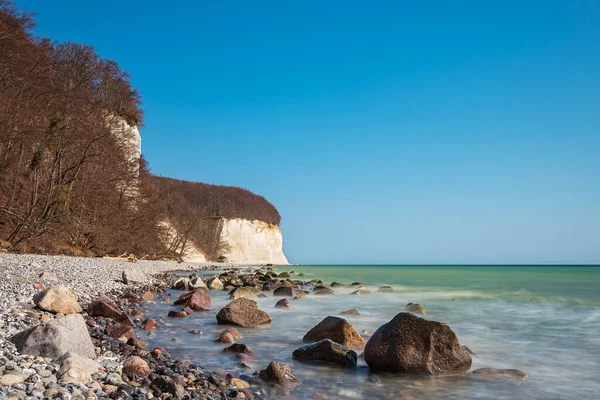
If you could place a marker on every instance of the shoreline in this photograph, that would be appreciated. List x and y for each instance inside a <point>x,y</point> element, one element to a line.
<point>30,377</point>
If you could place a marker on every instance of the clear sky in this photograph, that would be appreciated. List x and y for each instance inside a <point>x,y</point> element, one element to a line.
<point>384,132</point>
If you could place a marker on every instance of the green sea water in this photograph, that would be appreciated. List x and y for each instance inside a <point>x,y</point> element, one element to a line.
<point>554,339</point>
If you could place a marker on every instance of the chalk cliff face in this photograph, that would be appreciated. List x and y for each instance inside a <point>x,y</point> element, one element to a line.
<point>239,241</point>
<point>252,242</point>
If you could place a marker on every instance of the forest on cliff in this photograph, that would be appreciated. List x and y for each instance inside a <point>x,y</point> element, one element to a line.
<point>68,183</point>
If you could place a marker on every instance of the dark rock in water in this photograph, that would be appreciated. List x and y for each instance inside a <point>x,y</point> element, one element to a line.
<point>353,312</point>
<point>412,345</point>
<point>385,289</point>
<point>150,324</point>
<point>505,375</point>
<point>56,337</point>
<point>361,292</point>
<point>243,312</point>
<point>326,351</point>
<point>283,303</point>
<point>197,300</point>
<point>323,291</point>
<point>301,274</point>
<point>238,348</point>
<point>182,284</point>
<point>105,307</point>
<point>177,314</point>
<point>356,284</point>
<point>288,292</point>
<point>284,275</point>
<point>280,374</point>
<point>336,284</point>
<point>337,329</point>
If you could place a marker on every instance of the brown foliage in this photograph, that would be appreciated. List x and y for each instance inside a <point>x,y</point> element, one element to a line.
<point>68,183</point>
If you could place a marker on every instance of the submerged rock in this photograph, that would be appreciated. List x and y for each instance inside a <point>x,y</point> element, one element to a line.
<point>337,329</point>
<point>57,299</point>
<point>229,335</point>
<point>323,291</point>
<point>385,289</point>
<point>506,375</point>
<point>412,345</point>
<point>56,337</point>
<point>280,374</point>
<point>243,312</point>
<point>415,308</point>
<point>326,351</point>
<point>361,292</point>
<point>288,292</point>
<point>353,312</point>
<point>283,303</point>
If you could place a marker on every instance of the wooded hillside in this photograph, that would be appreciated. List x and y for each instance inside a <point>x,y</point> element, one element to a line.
<point>67,183</point>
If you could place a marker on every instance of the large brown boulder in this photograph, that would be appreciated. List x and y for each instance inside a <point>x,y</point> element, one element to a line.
<point>105,307</point>
<point>56,337</point>
<point>289,292</point>
<point>243,312</point>
<point>197,300</point>
<point>326,351</point>
<point>280,374</point>
<point>57,299</point>
<point>337,329</point>
<point>412,345</point>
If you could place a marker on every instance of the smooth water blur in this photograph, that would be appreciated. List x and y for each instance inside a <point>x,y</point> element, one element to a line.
<point>556,341</point>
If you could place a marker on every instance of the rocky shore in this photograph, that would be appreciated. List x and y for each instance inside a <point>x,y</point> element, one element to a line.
<point>74,320</point>
<point>69,329</point>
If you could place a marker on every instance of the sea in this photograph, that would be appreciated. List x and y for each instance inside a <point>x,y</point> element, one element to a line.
<point>543,320</point>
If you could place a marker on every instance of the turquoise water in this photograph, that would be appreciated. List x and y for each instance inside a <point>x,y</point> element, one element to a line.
<point>556,341</point>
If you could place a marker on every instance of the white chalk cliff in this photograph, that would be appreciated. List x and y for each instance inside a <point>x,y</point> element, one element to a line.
<point>241,241</point>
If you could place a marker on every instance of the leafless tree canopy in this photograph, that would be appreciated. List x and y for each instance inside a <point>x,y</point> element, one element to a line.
<point>67,183</point>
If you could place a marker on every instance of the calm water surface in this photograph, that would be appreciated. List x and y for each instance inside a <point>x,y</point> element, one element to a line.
<point>556,341</point>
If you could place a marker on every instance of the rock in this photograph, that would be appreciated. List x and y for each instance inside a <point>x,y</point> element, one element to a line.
<point>181,284</point>
<point>215,284</point>
<point>147,296</point>
<point>243,312</point>
<point>415,308</point>
<point>353,312</point>
<point>57,299</point>
<point>243,292</point>
<point>74,371</point>
<point>177,314</point>
<point>356,284</point>
<point>169,385</point>
<point>133,275</point>
<point>197,300</point>
<point>323,291</point>
<point>326,351</point>
<point>337,329</point>
<point>537,299</point>
<point>412,345</point>
<point>56,337</point>
<point>361,292</point>
<point>150,324</point>
<point>280,374</point>
<point>117,331</point>
<point>137,314</point>
<point>284,275</point>
<point>105,307</point>
<point>506,375</point>
<point>48,277</point>
<point>288,292</point>
<point>12,378</point>
<point>90,365</point>
<point>197,283</point>
<point>336,284</point>
<point>238,348</point>
<point>136,366</point>
<point>283,303</point>
<point>385,289</point>
<point>229,335</point>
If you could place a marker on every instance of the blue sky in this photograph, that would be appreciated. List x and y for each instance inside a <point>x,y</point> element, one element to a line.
<point>384,132</point>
